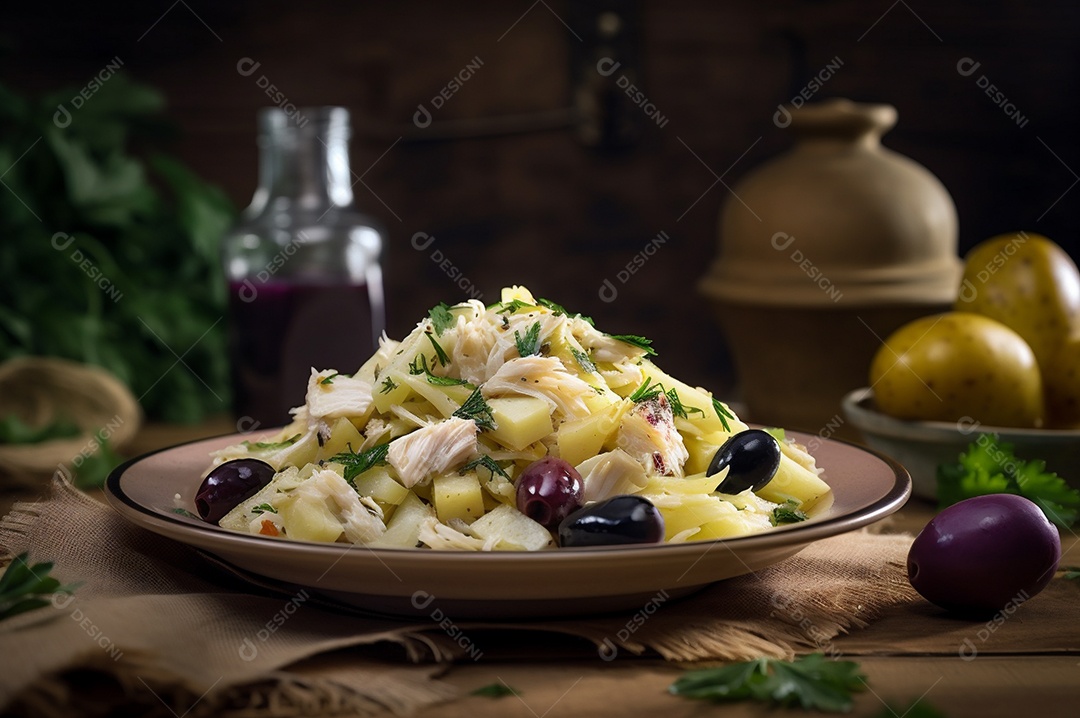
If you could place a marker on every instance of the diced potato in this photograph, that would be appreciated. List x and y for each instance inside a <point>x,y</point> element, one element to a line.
<point>491,502</point>
<point>403,529</point>
<point>300,452</point>
<point>343,437</point>
<point>457,497</point>
<point>381,486</point>
<point>793,481</point>
<point>308,518</point>
<point>512,530</point>
<point>509,294</point>
<point>584,438</point>
<point>520,420</point>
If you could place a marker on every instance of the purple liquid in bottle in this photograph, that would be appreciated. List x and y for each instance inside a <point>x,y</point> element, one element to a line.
<point>280,330</point>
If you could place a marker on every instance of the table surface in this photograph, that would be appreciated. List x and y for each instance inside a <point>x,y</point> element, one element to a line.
<point>1035,669</point>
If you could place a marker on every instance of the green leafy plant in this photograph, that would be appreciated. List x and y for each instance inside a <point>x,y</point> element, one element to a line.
<point>812,682</point>
<point>24,587</point>
<point>14,430</point>
<point>991,467</point>
<point>111,255</point>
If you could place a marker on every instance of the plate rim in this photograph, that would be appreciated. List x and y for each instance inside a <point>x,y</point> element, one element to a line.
<point>893,499</point>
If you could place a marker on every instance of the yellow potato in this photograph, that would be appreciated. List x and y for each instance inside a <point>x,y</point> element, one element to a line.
<point>958,366</point>
<point>1061,379</point>
<point>1027,283</point>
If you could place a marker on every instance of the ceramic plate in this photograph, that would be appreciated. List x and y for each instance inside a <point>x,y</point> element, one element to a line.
<point>866,486</point>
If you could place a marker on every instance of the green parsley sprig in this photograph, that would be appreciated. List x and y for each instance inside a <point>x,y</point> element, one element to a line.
<point>678,408</point>
<point>990,466</point>
<point>441,318</point>
<point>477,409</point>
<point>488,463</point>
<point>24,587</point>
<point>439,351</point>
<point>647,391</point>
<point>558,309</point>
<point>529,344</point>
<point>583,360</point>
<point>787,513</point>
<point>637,341</point>
<point>723,414</point>
<point>512,307</point>
<point>357,463</point>
<point>812,682</point>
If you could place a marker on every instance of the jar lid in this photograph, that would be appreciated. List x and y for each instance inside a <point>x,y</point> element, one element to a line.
<point>842,118</point>
<point>322,120</point>
<point>838,218</point>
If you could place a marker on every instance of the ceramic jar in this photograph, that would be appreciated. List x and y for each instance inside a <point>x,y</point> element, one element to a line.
<point>823,252</point>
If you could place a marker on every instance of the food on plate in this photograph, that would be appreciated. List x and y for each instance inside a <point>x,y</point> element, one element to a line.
<point>1026,282</point>
<point>618,520</point>
<point>230,483</point>
<point>983,554</point>
<point>751,458</point>
<point>518,426</point>
<point>958,366</point>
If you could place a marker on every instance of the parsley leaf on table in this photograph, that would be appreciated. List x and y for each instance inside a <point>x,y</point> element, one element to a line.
<point>991,467</point>
<point>812,682</point>
<point>494,690</point>
<point>24,587</point>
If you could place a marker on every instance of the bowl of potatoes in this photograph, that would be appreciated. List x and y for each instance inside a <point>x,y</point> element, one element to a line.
<point>1004,362</point>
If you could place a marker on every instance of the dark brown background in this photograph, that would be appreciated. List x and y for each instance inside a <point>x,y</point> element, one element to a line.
<point>541,208</point>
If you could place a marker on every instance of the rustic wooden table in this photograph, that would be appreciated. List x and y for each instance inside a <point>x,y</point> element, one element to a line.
<point>1027,664</point>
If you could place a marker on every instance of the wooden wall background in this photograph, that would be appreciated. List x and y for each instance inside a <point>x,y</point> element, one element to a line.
<point>541,208</point>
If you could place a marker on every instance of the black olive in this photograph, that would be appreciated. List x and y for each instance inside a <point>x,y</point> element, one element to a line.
<point>618,520</point>
<point>751,457</point>
<point>229,484</point>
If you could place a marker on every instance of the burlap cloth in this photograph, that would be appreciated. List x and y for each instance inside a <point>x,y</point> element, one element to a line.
<point>170,627</point>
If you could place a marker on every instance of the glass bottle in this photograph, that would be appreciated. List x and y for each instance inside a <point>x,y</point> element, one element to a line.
<point>305,282</point>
